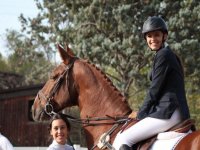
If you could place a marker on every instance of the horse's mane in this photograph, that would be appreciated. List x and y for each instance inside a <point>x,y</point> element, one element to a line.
<point>106,79</point>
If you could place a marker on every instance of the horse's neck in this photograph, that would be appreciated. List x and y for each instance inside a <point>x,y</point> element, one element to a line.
<point>97,98</point>
<point>97,95</point>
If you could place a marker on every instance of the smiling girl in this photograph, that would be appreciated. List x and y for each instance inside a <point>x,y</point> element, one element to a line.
<point>59,129</point>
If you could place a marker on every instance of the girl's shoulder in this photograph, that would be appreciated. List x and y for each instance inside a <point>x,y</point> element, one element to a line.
<point>50,148</point>
<point>64,147</point>
<point>165,53</point>
<point>165,50</point>
<point>69,147</point>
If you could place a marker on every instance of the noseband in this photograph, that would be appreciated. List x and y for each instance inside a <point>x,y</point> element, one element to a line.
<point>48,108</point>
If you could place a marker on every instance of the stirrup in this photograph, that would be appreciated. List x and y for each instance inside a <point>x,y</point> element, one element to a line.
<point>104,142</point>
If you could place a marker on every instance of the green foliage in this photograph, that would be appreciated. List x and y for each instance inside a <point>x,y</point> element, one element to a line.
<point>3,64</point>
<point>25,59</point>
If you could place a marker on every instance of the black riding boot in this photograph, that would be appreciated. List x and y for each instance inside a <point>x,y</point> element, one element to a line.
<point>125,147</point>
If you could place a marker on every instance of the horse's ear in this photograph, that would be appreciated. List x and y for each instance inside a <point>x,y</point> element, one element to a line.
<point>69,51</point>
<point>65,55</point>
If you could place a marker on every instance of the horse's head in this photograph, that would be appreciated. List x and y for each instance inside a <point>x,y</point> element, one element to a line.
<point>59,91</point>
<point>78,82</point>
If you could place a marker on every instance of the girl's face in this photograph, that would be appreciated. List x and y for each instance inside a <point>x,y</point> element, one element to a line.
<point>59,131</point>
<point>155,39</point>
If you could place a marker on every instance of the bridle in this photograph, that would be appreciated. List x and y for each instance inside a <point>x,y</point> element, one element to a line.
<point>48,108</point>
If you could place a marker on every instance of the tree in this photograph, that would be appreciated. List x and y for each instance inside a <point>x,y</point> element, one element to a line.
<point>25,60</point>
<point>3,64</point>
<point>105,32</point>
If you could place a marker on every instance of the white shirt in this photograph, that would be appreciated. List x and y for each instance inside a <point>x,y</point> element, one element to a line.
<point>55,146</point>
<point>5,143</point>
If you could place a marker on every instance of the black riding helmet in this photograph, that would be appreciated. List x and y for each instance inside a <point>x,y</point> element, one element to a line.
<point>154,23</point>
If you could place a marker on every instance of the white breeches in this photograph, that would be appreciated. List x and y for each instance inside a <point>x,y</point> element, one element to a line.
<point>144,129</point>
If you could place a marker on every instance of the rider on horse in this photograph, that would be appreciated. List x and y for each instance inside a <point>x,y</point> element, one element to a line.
<point>165,104</point>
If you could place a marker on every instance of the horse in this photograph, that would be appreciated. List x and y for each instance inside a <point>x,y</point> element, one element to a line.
<point>103,108</point>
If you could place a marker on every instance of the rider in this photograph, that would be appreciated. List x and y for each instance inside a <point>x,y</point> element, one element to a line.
<point>165,104</point>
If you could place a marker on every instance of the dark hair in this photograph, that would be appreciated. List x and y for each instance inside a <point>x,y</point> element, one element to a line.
<point>59,116</point>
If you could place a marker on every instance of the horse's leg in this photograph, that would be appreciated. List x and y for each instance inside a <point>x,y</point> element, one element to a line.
<point>190,142</point>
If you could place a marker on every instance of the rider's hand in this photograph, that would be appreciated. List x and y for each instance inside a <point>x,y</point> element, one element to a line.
<point>133,115</point>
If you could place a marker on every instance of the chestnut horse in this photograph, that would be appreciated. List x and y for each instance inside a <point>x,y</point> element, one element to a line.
<point>103,109</point>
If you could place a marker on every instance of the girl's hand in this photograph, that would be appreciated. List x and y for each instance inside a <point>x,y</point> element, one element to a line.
<point>133,115</point>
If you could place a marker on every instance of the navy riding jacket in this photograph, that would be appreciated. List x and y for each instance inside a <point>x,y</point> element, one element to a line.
<point>167,90</point>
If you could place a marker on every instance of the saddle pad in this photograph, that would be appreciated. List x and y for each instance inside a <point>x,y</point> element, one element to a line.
<point>169,135</point>
<point>168,144</point>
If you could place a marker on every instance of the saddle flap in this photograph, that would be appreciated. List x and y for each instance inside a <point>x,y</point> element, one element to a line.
<point>184,126</point>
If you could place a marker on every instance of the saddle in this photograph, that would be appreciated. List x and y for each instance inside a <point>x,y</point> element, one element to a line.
<point>182,127</point>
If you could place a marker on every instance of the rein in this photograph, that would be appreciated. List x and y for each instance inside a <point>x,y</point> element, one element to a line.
<point>103,141</point>
<point>95,121</point>
<point>49,109</point>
